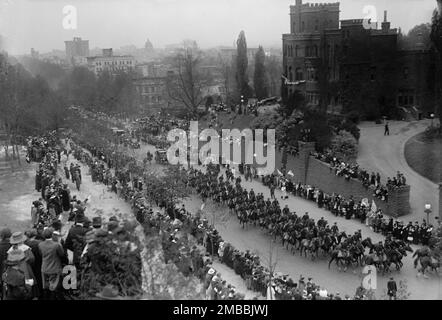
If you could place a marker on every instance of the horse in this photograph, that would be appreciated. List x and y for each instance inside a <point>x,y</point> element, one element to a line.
<point>304,246</point>
<point>428,262</point>
<point>340,256</point>
<point>313,247</point>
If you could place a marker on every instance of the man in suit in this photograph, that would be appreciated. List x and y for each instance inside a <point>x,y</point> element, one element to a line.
<point>52,254</point>
<point>33,243</point>
<point>76,239</point>
<point>392,289</point>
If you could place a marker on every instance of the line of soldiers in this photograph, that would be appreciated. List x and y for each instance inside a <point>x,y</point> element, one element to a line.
<point>351,208</point>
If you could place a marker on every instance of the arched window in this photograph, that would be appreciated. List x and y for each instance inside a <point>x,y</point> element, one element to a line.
<point>307,51</point>
<point>290,74</point>
<point>316,25</point>
<point>294,27</point>
<point>296,51</point>
<point>303,26</point>
<point>299,75</point>
<point>316,50</point>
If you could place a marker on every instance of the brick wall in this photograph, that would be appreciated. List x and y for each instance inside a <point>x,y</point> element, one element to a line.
<point>308,170</point>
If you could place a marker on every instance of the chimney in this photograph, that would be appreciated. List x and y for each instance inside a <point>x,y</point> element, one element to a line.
<point>385,24</point>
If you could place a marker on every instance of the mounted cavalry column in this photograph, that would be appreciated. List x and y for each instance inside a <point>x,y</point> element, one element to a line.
<point>305,148</point>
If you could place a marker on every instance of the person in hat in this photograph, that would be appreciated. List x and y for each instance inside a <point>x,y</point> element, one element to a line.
<point>76,239</point>
<point>14,279</point>
<point>109,292</point>
<point>52,254</point>
<point>32,241</point>
<point>18,243</point>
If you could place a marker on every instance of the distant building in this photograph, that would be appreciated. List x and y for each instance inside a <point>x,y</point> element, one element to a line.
<point>349,65</point>
<point>148,46</point>
<point>152,92</point>
<point>111,63</point>
<point>151,69</point>
<point>77,50</point>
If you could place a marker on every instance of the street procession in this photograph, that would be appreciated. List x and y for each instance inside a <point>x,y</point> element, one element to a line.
<point>201,171</point>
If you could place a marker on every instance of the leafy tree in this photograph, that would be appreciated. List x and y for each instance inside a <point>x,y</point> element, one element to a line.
<point>169,188</point>
<point>266,122</point>
<point>419,34</point>
<point>51,72</point>
<point>344,146</point>
<point>273,65</point>
<point>259,79</point>
<point>320,130</point>
<point>242,78</point>
<point>436,38</point>
<point>79,87</point>
<point>295,101</point>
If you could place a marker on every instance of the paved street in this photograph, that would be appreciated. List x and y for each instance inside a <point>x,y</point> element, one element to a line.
<point>385,154</point>
<point>344,282</point>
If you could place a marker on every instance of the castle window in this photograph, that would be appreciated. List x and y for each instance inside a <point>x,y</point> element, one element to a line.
<point>290,74</point>
<point>296,51</point>
<point>316,50</point>
<point>298,74</point>
<point>373,74</point>
<point>307,51</point>
<point>294,27</point>
<point>316,25</point>
<point>303,26</point>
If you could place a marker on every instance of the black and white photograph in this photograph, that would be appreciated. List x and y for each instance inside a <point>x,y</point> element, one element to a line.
<point>220,155</point>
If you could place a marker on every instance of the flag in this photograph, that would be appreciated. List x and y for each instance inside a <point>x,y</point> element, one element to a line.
<point>202,206</point>
<point>291,173</point>
<point>279,172</point>
<point>373,207</point>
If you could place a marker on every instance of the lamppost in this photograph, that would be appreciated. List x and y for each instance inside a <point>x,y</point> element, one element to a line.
<point>428,211</point>
<point>432,118</point>
<point>242,104</point>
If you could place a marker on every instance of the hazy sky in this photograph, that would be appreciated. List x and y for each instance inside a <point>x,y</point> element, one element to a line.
<point>115,23</point>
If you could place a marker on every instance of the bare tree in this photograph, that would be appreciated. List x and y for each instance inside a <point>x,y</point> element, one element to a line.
<point>185,87</point>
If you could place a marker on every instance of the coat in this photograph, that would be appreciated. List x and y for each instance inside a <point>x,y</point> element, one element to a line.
<point>52,254</point>
<point>4,247</point>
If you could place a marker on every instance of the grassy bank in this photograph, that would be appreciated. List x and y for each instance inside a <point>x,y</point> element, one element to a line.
<point>424,156</point>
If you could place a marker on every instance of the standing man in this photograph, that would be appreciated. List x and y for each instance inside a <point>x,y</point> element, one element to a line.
<point>392,289</point>
<point>52,254</point>
<point>387,129</point>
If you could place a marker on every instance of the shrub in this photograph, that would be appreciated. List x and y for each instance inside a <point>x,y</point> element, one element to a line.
<point>344,146</point>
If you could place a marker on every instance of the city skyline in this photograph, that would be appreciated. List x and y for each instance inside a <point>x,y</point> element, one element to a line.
<point>38,24</point>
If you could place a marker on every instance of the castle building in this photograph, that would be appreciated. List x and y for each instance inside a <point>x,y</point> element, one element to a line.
<point>352,65</point>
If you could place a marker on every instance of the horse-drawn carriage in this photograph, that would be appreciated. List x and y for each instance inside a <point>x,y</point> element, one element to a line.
<point>161,156</point>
